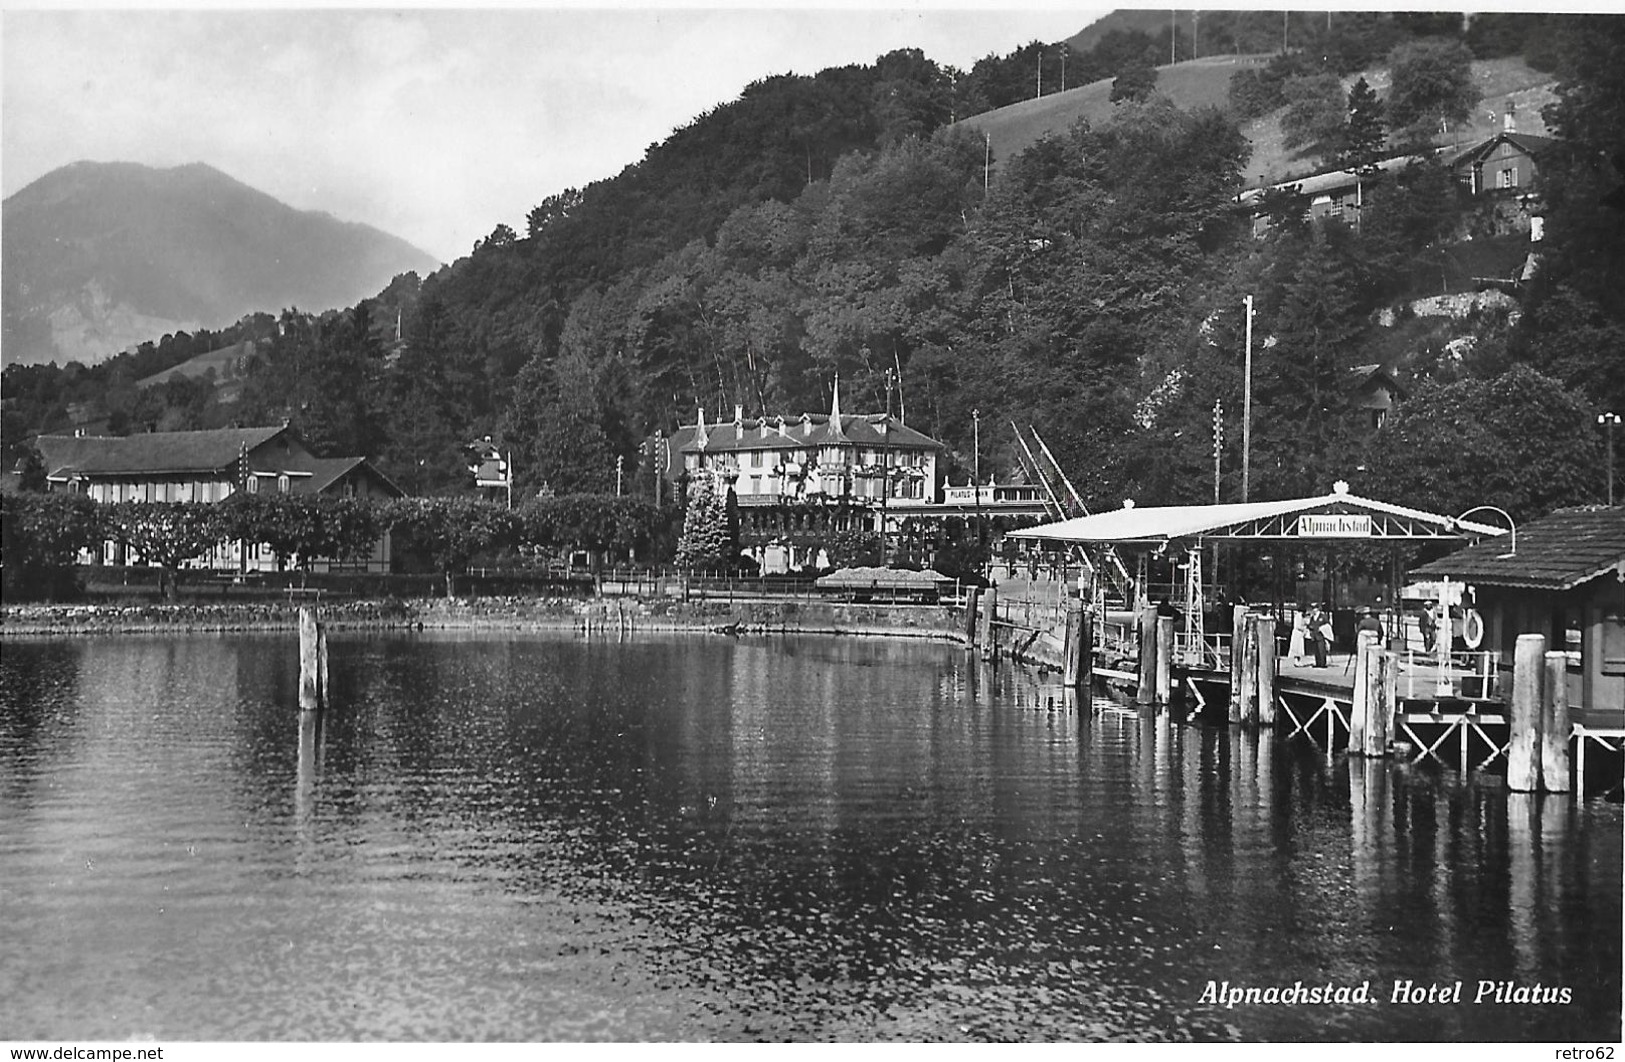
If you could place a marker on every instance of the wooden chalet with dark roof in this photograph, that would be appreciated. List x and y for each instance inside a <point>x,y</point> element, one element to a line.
<point>1563,577</point>
<point>207,466</point>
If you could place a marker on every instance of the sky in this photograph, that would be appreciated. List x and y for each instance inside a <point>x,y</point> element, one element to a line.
<point>432,124</point>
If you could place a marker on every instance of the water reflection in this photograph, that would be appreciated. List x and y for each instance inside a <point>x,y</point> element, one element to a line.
<point>692,837</point>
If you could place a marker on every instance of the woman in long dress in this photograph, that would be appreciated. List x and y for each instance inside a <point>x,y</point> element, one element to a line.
<point>1300,632</point>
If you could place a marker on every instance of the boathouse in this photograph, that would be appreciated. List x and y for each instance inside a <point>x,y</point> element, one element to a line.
<point>1562,576</point>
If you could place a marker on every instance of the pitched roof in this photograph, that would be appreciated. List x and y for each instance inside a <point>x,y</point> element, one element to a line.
<point>326,471</point>
<point>1556,552</point>
<point>1529,143</point>
<point>151,453</point>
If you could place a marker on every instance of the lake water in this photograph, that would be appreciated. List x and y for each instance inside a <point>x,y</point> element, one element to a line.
<point>530,837</point>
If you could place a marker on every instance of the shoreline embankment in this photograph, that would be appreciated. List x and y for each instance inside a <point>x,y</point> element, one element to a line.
<point>940,622</point>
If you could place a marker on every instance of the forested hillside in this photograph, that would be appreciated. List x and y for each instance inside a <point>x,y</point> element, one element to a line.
<point>1093,286</point>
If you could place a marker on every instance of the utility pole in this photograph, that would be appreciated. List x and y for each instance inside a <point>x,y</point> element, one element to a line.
<point>1065,47</point>
<point>1040,73</point>
<point>1218,444</point>
<point>620,462</point>
<point>1173,37</point>
<point>987,159</point>
<point>885,471</point>
<point>1247,404</point>
<point>1609,420</point>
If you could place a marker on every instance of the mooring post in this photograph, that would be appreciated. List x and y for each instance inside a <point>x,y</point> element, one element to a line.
<point>1523,717</point>
<point>1165,659</point>
<point>310,664</point>
<point>990,618</point>
<point>1365,643</point>
<point>1085,657</point>
<point>1266,670</point>
<point>1070,643</point>
<point>1554,725</point>
<point>972,597</point>
<point>1247,683</point>
<point>1383,682</point>
<point>1145,692</point>
<point>1238,638</point>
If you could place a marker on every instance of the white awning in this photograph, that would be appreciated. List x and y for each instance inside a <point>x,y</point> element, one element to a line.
<point>1362,519</point>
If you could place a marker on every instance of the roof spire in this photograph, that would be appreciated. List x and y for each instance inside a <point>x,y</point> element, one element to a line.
<point>700,436</point>
<point>835,431</point>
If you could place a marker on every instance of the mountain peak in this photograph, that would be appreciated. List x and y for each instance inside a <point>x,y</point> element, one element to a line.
<point>99,256</point>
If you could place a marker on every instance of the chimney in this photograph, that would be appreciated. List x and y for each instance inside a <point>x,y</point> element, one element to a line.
<point>1509,119</point>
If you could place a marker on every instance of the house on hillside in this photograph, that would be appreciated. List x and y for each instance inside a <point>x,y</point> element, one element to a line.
<point>209,466</point>
<point>798,479</point>
<point>1505,164</point>
<point>1373,390</point>
<point>1562,576</point>
<point>1335,194</point>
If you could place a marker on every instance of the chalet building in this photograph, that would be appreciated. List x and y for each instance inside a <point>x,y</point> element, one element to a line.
<point>799,479</point>
<point>1562,576</point>
<point>1373,391</point>
<point>208,466</point>
<point>1505,164</point>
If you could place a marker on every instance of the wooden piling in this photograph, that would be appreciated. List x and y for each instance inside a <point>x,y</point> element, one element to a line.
<point>990,618</point>
<point>1247,680</point>
<point>1360,703</point>
<point>1383,678</point>
<point>310,662</point>
<point>1165,659</point>
<point>1145,623</point>
<point>1238,638</point>
<point>1523,715</point>
<point>1266,671</point>
<point>973,596</point>
<point>1085,656</point>
<point>1555,728</point>
<point>1070,643</point>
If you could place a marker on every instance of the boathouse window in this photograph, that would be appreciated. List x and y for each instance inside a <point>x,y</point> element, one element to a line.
<point>1509,177</point>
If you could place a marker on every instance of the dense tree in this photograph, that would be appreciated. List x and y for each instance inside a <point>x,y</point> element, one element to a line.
<point>452,531</point>
<point>168,534</point>
<point>1137,81</point>
<point>1431,85</point>
<point>705,543</point>
<point>39,536</point>
<point>1316,114</point>
<point>1520,441</point>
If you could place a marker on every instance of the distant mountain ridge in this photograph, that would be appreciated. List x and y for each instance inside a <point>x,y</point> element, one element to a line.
<point>99,256</point>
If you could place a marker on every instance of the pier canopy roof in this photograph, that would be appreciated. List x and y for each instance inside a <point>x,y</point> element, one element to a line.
<point>1335,517</point>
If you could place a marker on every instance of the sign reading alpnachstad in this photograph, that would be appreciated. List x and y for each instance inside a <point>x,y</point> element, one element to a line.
<point>1334,525</point>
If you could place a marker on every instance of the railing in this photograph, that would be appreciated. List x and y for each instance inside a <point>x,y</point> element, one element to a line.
<point>1468,675</point>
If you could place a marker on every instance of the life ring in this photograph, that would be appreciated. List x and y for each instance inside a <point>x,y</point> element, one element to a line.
<point>1472,629</point>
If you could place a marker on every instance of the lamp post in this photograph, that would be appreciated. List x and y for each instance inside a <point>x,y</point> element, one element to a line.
<point>1454,522</point>
<point>1609,420</point>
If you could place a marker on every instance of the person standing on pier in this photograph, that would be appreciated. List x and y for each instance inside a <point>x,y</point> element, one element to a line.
<point>1320,625</point>
<point>1429,626</point>
<point>1300,633</point>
